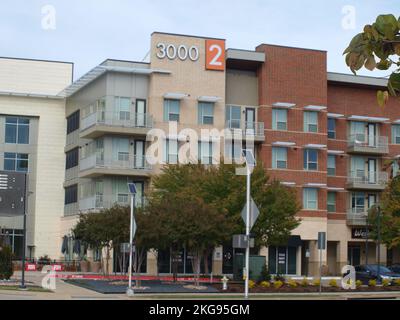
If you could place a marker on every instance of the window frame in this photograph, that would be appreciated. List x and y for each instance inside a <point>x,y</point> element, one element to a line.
<point>332,133</point>
<point>395,127</point>
<point>202,107</point>
<point>167,110</point>
<point>71,198</point>
<point>306,199</point>
<point>17,126</point>
<point>275,158</point>
<point>276,113</point>
<point>307,123</point>
<point>330,173</point>
<point>307,161</point>
<point>72,159</point>
<point>329,203</point>
<point>73,122</point>
<point>16,160</point>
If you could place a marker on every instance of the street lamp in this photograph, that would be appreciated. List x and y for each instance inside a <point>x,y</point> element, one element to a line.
<point>250,164</point>
<point>132,190</point>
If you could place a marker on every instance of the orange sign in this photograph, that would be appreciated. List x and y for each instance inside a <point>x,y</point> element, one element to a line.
<point>215,55</point>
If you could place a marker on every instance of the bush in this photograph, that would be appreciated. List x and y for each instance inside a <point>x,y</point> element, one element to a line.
<point>265,284</point>
<point>359,284</point>
<point>372,283</point>
<point>333,283</point>
<point>397,282</point>
<point>316,282</point>
<point>304,283</point>
<point>265,275</point>
<point>292,283</point>
<point>6,266</point>
<point>386,282</point>
<point>278,284</point>
<point>279,277</point>
<point>252,284</point>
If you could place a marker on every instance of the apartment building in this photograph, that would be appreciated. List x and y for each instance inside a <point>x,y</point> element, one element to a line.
<point>32,138</point>
<point>320,133</point>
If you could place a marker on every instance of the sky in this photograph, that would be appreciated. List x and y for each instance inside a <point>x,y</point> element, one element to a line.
<point>87,32</point>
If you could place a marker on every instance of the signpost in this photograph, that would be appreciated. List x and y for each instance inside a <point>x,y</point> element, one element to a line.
<point>250,164</point>
<point>321,246</point>
<point>132,190</point>
<point>13,202</point>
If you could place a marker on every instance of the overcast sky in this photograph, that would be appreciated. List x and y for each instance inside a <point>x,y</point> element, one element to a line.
<point>88,31</point>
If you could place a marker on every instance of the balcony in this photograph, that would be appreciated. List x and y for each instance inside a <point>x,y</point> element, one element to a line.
<point>357,217</point>
<point>250,130</point>
<point>360,143</point>
<point>367,180</point>
<point>99,123</point>
<point>127,165</point>
<point>71,209</point>
<point>101,201</point>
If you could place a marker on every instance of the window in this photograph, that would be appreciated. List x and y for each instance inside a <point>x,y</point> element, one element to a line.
<point>331,202</point>
<point>331,128</point>
<point>16,162</point>
<point>357,131</point>
<point>206,152</point>
<point>206,113</point>
<point>310,199</point>
<point>279,119</point>
<point>396,134</point>
<point>171,151</point>
<point>73,122</point>
<point>17,130</point>
<point>310,121</point>
<point>331,165</point>
<point>123,108</point>
<point>233,117</point>
<point>121,149</point>
<point>233,150</point>
<point>358,202</point>
<point>396,168</point>
<point>279,158</point>
<point>171,110</point>
<point>310,159</point>
<point>71,194</point>
<point>72,158</point>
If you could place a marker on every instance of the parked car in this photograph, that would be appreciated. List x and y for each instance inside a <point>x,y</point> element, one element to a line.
<point>395,268</point>
<point>368,272</point>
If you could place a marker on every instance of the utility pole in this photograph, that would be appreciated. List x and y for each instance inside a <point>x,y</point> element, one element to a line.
<point>379,241</point>
<point>132,190</point>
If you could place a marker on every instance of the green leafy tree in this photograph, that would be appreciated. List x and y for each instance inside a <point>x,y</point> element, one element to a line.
<point>388,216</point>
<point>378,47</point>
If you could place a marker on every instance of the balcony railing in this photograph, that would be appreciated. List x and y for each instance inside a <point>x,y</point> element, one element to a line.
<point>117,119</point>
<point>368,178</point>
<point>364,143</point>
<point>123,162</point>
<point>249,128</point>
<point>357,217</point>
<point>101,201</point>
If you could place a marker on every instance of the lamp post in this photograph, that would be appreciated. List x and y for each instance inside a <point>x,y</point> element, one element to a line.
<point>379,239</point>
<point>132,190</point>
<point>250,163</point>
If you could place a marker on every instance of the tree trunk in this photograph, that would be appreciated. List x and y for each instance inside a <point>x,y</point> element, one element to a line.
<point>108,261</point>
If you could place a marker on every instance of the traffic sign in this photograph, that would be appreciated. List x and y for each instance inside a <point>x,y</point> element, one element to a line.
<point>321,240</point>
<point>239,241</point>
<point>254,213</point>
<point>12,193</point>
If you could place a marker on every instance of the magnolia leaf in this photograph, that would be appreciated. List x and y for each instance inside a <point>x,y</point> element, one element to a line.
<point>370,64</point>
<point>383,97</point>
<point>394,84</point>
<point>384,65</point>
<point>397,48</point>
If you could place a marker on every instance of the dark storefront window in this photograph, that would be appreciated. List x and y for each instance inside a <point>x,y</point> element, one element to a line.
<point>282,260</point>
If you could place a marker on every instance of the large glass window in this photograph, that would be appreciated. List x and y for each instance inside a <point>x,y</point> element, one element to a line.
<point>310,159</point>
<point>396,134</point>
<point>206,152</point>
<point>279,119</point>
<point>331,165</point>
<point>357,131</point>
<point>310,199</point>
<point>17,130</point>
<point>123,108</point>
<point>71,194</point>
<point>171,151</point>
<point>279,158</point>
<point>121,149</point>
<point>206,113</point>
<point>311,121</point>
<point>233,117</point>
<point>72,158</point>
<point>331,202</point>
<point>73,122</point>
<point>16,162</point>
<point>331,128</point>
<point>358,202</point>
<point>282,260</point>
<point>171,110</point>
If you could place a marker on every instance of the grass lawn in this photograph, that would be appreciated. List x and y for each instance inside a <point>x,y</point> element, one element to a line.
<point>28,289</point>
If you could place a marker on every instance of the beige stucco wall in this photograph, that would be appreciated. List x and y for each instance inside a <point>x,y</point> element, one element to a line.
<point>34,76</point>
<point>48,192</point>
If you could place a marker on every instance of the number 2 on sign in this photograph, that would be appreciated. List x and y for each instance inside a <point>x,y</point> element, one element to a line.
<point>215,55</point>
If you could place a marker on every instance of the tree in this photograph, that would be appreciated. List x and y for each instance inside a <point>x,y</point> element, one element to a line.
<point>199,208</point>
<point>378,47</point>
<point>389,215</point>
